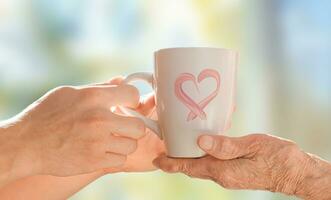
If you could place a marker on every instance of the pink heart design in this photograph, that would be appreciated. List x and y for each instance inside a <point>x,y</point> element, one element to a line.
<point>196,109</point>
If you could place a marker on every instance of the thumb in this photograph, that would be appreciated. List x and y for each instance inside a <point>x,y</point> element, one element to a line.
<point>226,148</point>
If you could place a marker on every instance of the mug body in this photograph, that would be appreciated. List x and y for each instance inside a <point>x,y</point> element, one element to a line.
<point>195,91</point>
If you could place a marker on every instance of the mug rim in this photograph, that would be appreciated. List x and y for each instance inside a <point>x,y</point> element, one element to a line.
<point>196,48</point>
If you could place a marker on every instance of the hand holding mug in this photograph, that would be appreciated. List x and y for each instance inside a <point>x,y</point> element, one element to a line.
<point>259,162</point>
<point>148,147</point>
<point>70,131</point>
<point>194,91</point>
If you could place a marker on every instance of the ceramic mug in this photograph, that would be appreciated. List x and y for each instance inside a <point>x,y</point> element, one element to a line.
<point>195,95</point>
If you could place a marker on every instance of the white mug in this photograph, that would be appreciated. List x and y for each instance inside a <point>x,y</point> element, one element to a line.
<point>194,91</point>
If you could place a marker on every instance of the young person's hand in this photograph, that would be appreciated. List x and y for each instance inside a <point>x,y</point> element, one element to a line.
<point>150,146</point>
<point>71,131</point>
<point>46,186</point>
<point>259,162</point>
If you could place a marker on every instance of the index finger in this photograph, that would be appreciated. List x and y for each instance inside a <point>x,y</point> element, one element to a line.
<point>191,167</point>
<point>110,95</point>
<point>130,127</point>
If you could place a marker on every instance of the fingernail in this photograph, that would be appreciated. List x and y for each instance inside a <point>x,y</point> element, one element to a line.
<point>206,142</point>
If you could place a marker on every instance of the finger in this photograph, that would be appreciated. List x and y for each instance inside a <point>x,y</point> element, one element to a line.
<point>168,164</point>
<point>116,80</point>
<point>231,174</point>
<point>110,95</point>
<point>146,107</point>
<point>105,122</point>
<point>121,145</point>
<point>191,167</point>
<point>147,104</point>
<point>130,127</point>
<point>225,148</point>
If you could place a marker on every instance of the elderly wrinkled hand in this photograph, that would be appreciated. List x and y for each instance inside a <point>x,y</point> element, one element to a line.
<point>256,161</point>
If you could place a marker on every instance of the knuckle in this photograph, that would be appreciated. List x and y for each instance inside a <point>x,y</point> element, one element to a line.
<point>291,148</point>
<point>94,119</point>
<point>92,92</point>
<point>64,89</point>
<point>131,92</point>
<point>90,95</point>
<point>270,142</point>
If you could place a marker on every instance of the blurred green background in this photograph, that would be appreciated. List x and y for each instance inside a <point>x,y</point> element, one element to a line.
<point>284,78</point>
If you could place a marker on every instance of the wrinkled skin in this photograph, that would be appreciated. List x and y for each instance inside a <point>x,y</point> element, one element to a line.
<point>257,161</point>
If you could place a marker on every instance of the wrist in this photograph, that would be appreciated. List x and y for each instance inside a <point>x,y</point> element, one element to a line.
<point>16,160</point>
<point>316,181</point>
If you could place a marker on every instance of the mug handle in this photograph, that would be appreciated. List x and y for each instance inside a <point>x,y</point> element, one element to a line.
<point>147,77</point>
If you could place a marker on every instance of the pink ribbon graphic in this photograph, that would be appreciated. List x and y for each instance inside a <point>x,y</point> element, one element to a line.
<point>196,109</point>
